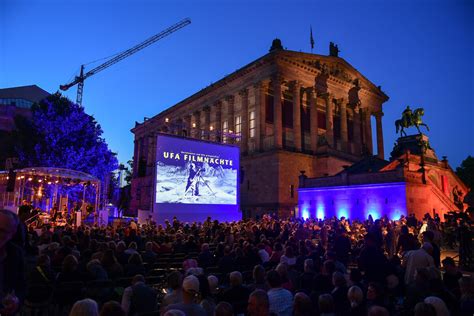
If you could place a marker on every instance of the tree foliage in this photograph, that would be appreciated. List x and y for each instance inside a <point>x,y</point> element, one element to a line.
<point>125,192</point>
<point>60,134</point>
<point>466,171</point>
<point>128,172</point>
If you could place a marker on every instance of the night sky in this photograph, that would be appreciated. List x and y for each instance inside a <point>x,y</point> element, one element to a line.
<point>420,52</point>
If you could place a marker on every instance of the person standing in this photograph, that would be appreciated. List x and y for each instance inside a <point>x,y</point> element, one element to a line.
<point>416,259</point>
<point>138,298</point>
<point>12,273</point>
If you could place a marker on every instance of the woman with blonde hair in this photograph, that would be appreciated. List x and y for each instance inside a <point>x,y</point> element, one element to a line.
<point>356,300</point>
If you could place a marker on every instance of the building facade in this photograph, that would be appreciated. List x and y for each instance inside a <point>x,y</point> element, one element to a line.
<point>413,182</point>
<point>15,101</point>
<point>18,101</point>
<point>288,111</point>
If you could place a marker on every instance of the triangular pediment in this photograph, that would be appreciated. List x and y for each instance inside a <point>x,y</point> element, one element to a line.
<point>336,67</point>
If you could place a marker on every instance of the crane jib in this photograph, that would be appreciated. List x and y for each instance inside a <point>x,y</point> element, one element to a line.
<point>80,79</point>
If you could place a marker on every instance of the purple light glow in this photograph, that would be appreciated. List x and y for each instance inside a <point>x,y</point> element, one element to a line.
<point>354,202</point>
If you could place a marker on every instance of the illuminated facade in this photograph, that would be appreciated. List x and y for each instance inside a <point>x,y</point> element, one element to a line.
<point>288,111</point>
<point>355,201</point>
<point>413,182</point>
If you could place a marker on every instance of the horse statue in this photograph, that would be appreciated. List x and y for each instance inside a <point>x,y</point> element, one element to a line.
<point>409,119</point>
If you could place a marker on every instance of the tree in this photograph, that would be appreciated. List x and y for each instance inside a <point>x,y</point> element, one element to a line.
<point>60,134</point>
<point>466,171</point>
<point>125,192</point>
<point>128,172</point>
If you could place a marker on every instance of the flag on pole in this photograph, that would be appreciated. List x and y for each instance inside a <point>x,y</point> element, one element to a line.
<point>311,39</point>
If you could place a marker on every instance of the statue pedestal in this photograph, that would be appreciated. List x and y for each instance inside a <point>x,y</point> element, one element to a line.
<point>416,144</point>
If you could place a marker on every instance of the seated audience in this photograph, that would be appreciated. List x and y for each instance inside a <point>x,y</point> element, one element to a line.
<point>86,307</point>
<point>223,309</point>
<point>302,305</point>
<point>139,297</point>
<point>312,259</point>
<point>326,305</point>
<point>258,304</point>
<point>236,294</point>
<point>280,299</point>
<point>189,306</point>
<point>112,308</point>
<point>134,266</point>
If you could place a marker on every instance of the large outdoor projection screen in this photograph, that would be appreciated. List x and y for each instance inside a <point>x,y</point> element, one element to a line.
<point>195,179</point>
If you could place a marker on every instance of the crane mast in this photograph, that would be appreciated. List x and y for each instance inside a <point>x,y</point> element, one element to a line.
<point>79,80</point>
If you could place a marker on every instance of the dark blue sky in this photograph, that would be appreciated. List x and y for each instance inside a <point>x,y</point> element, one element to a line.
<point>420,52</point>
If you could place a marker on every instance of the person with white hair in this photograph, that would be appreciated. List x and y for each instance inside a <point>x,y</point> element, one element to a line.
<point>86,307</point>
<point>205,257</point>
<point>438,304</point>
<point>213,284</point>
<point>237,294</point>
<point>174,312</point>
<point>189,306</point>
<point>356,301</point>
<point>415,259</point>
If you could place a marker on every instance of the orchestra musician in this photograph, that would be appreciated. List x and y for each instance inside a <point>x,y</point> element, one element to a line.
<point>65,213</point>
<point>24,211</point>
<point>55,214</point>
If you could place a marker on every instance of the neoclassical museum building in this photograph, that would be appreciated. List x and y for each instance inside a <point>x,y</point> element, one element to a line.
<point>288,111</point>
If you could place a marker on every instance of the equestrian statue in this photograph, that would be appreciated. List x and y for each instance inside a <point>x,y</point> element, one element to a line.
<point>409,119</point>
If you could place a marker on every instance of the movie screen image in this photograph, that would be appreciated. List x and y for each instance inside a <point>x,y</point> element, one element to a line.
<point>195,172</point>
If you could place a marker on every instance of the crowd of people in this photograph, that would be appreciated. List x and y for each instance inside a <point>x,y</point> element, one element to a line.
<point>258,267</point>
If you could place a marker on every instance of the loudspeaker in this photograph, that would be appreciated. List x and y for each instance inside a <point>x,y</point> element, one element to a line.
<point>11,181</point>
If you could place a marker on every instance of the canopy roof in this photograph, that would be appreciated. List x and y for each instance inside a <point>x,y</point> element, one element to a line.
<point>55,172</point>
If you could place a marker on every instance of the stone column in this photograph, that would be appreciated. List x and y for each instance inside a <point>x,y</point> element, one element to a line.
<point>178,127</point>
<point>244,139</point>
<point>207,121</point>
<point>344,136</point>
<point>295,86</point>
<point>378,122</point>
<point>260,89</point>
<point>329,119</point>
<point>356,139</point>
<point>136,157</point>
<point>150,153</point>
<point>212,122</point>
<point>196,125</point>
<point>229,117</point>
<point>367,130</point>
<point>218,122</point>
<point>187,125</point>
<point>313,118</point>
<point>277,112</point>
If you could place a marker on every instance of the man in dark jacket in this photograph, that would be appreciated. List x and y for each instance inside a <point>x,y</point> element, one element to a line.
<point>237,294</point>
<point>138,298</point>
<point>372,260</point>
